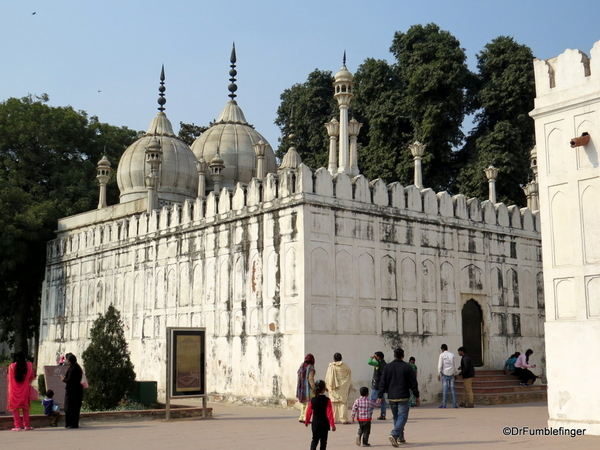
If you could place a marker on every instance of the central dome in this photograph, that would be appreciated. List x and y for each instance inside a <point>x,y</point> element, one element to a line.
<point>235,139</point>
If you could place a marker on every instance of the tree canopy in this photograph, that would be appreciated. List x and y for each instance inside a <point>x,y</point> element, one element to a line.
<point>48,159</point>
<point>503,134</point>
<point>424,94</point>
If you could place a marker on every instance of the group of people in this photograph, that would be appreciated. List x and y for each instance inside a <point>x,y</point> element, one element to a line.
<point>20,393</point>
<point>397,379</point>
<point>448,371</point>
<point>518,365</point>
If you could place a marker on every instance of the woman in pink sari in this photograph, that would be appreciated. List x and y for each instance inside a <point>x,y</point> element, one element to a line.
<point>20,376</point>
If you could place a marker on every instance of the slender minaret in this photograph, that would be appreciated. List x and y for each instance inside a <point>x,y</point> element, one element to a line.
<point>417,150</point>
<point>354,127</point>
<point>492,173</point>
<point>343,87</point>
<point>103,175</point>
<point>153,159</point>
<point>333,130</point>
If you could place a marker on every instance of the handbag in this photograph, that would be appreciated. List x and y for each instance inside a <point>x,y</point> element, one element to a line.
<point>33,394</point>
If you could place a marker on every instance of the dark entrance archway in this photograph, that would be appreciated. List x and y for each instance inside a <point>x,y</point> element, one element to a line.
<point>472,325</point>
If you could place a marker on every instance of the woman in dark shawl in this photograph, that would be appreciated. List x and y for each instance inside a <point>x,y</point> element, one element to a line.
<point>73,392</point>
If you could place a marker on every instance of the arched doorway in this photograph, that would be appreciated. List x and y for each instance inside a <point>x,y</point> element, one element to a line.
<point>472,325</point>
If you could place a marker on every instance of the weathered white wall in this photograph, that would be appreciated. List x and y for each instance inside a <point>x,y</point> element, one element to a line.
<point>567,104</point>
<point>285,267</point>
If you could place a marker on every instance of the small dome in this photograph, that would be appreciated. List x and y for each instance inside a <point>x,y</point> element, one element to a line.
<point>344,76</point>
<point>291,160</point>
<point>177,174</point>
<point>235,139</point>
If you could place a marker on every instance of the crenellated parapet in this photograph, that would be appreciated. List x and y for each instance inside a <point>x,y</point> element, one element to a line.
<point>288,188</point>
<point>570,71</point>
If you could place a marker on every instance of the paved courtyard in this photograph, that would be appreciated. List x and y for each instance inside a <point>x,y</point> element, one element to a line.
<point>235,427</point>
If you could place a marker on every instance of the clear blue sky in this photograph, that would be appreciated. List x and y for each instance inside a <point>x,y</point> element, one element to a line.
<point>72,49</point>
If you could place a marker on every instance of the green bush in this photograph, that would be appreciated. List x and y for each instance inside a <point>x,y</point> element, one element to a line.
<point>42,384</point>
<point>107,363</point>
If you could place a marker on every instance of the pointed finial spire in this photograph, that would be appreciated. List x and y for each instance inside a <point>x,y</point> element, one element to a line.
<point>161,99</point>
<point>232,73</point>
<point>344,61</point>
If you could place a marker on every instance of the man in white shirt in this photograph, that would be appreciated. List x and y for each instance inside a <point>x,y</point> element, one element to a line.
<point>446,374</point>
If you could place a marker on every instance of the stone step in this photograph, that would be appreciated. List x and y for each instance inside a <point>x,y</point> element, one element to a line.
<point>503,389</point>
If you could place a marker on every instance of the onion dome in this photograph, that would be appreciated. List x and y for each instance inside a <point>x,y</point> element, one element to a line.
<point>291,160</point>
<point>234,137</point>
<point>178,177</point>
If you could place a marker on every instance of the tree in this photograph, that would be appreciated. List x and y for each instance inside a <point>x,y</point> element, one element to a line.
<point>504,133</point>
<point>434,73</point>
<point>107,364</point>
<point>48,158</point>
<point>303,112</point>
<point>386,131</point>
<point>189,132</point>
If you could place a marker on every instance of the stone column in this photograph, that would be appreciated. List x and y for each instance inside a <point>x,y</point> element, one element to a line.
<point>492,173</point>
<point>260,148</point>
<point>201,167</point>
<point>353,129</point>
<point>333,129</point>
<point>417,150</point>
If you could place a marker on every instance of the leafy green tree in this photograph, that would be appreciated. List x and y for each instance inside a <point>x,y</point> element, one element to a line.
<point>189,132</point>
<point>434,73</point>
<point>504,133</point>
<point>386,131</point>
<point>48,158</point>
<point>107,364</point>
<point>303,112</point>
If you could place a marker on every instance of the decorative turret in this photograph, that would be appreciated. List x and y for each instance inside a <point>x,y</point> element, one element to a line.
<point>343,88</point>
<point>154,156</point>
<point>354,127</point>
<point>531,189</point>
<point>417,150</point>
<point>292,159</point>
<point>201,167</point>
<point>491,173</point>
<point>333,130</point>
<point>103,175</point>
<point>216,171</point>
<point>260,148</point>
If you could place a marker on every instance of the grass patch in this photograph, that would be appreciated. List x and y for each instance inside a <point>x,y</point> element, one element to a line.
<point>36,407</point>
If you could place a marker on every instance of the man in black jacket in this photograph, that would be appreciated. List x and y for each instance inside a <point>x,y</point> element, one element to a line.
<point>397,380</point>
<point>467,372</point>
<point>378,362</point>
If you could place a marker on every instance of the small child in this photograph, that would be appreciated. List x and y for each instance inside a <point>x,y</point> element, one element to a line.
<point>363,411</point>
<point>322,412</point>
<point>51,407</point>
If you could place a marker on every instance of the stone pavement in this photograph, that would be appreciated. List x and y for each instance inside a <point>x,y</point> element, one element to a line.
<point>235,427</point>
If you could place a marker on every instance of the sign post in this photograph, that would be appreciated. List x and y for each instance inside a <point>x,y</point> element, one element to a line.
<point>186,368</point>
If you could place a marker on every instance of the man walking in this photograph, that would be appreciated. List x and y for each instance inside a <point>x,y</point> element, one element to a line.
<point>397,379</point>
<point>338,380</point>
<point>446,374</point>
<point>467,372</point>
<point>378,363</point>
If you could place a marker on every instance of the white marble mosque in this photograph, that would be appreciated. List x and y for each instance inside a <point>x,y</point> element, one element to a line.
<point>276,262</point>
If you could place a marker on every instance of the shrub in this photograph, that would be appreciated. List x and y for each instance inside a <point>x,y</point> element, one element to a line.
<point>107,363</point>
<point>42,384</point>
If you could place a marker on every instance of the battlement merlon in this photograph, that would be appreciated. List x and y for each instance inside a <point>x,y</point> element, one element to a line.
<point>566,80</point>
